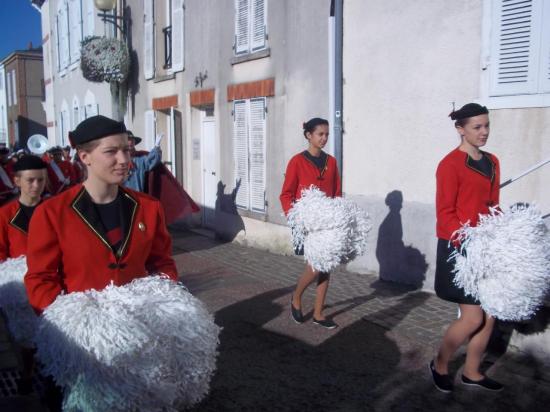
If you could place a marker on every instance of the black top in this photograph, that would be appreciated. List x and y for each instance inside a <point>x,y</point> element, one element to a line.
<point>319,161</point>
<point>483,165</point>
<point>109,215</point>
<point>27,212</point>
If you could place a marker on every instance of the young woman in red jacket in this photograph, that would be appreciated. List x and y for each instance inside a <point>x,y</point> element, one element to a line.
<point>468,182</point>
<point>311,167</point>
<point>98,232</point>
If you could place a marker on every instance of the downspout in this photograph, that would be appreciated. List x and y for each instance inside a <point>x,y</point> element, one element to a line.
<point>337,17</point>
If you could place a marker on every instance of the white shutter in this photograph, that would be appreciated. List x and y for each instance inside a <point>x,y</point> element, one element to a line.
<point>8,87</point>
<point>75,35</point>
<point>178,32</point>
<point>148,39</point>
<point>82,111</point>
<point>240,151</point>
<point>256,133</point>
<point>259,24</point>
<point>58,40</point>
<point>544,70</point>
<point>150,129</point>
<point>64,36</point>
<point>242,29</point>
<point>90,18</point>
<point>515,47</point>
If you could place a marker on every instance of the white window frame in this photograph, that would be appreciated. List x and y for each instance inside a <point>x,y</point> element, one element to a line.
<point>174,15</point>
<point>14,87</point>
<point>519,100</point>
<point>249,47</point>
<point>75,112</point>
<point>247,185</point>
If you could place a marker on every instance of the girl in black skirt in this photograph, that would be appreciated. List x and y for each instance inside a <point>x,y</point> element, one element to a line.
<point>467,185</point>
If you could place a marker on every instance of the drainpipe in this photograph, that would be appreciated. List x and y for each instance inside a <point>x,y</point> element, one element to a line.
<point>336,29</point>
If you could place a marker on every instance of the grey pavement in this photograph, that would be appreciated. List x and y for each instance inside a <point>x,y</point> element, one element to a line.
<point>375,361</point>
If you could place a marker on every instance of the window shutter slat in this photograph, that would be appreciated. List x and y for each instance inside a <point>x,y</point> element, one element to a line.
<point>257,154</point>
<point>150,129</point>
<point>64,36</point>
<point>75,21</point>
<point>514,47</point>
<point>178,32</point>
<point>240,152</point>
<point>258,24</point>
<point>149,40</point>
<point>242,17</point>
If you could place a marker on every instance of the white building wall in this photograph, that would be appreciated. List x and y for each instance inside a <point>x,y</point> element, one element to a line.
<point>400,80</point>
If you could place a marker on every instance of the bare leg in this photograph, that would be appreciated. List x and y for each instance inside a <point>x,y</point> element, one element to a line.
<point>308,276</point>
<point>470,321</point>
<point>476,349</point>
<point>321,294</point>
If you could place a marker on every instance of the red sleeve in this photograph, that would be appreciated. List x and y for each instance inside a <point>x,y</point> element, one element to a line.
<point>290,185</point>
<point>42,280</point>
<point>4,240</point>
<point>160,257</point>
<point>446,197</point>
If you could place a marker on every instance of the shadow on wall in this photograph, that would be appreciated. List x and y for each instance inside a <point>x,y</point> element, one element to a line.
<point>227,221</point>
<point>398,263</point>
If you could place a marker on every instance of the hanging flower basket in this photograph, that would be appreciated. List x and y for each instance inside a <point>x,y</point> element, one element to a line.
<point>104,59</point>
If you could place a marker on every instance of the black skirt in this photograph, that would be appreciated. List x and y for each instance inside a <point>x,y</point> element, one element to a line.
<point>444,285</point>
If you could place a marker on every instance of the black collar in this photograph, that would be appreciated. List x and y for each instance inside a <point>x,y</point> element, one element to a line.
<point>471,163</point>
<point>84,208</point>
<point>20,221</point>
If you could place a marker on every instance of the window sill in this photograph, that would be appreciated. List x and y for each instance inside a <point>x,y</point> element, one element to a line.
<point>260,54</point>
<point>253,215</point>
<point>516,102</point>
<point>164,77</point>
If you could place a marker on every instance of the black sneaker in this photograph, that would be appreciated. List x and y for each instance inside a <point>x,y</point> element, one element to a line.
<point>485,383</point>
<point>325,323</point>
<point>296,314</point>
<point>441,382</point>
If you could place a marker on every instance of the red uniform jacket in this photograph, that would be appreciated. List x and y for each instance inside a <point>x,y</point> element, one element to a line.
<point>463,192</point>
<point>6,192</point>
<point>13,231</point>
<point>301,173</point>
<point>68,171</point>
<point>68,250</point>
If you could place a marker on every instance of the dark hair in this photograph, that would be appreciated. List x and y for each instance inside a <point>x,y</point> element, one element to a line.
<point>311,124</point>
<point>465,112</point>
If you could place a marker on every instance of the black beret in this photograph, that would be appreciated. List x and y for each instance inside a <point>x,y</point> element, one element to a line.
<point>29,162</point>
<point>4,151</point>
<point>94,128</point>
<point>136,139</point>
<point>468,110</point>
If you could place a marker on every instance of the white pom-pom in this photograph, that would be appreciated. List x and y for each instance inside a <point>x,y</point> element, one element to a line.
<point>504,262</point>
<point>14,301</point>
<point>148,345</point>
<point>331,230</point>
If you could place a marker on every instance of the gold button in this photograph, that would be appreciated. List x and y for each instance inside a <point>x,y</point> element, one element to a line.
<point>141,226</point>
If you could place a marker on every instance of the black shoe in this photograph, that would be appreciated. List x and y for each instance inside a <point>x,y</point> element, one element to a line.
<point>441,382</point>
<point>325,323</point>
<point>485,383</point>
<point>296,314</point>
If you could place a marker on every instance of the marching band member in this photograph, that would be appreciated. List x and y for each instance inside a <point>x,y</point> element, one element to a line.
<point>30,177</point>
<point>467,185</point>
<point>311,167</point>
<point>96,233</point>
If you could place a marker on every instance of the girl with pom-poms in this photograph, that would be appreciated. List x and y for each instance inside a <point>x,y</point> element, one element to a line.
<point>97,232</point>
<point>467,185</point>
<point>311,167</point>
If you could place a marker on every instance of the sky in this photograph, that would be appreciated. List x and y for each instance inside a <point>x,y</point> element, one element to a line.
<point>19,25</point>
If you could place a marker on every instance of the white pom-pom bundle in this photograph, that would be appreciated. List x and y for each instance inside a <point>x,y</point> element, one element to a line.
<point>504,262</point>
<point>148,346</point>
<point>331,230</point>
<point>20,317</point>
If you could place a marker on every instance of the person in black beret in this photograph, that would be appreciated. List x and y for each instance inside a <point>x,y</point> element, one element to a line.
<point>121,234</point>
<point>7,187</point>
<point>468,181</point>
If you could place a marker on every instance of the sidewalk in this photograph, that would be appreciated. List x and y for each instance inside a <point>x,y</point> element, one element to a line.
<point>376,360</point>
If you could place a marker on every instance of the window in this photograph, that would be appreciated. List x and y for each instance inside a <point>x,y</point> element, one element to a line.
<point>250,26</point>
<point>13,87</point>
<point>249,141</point>
<point>517,53</point>
<point>75,32</point>
<point>148,39</point>
<point>62,30</point>
<point>8,87</point>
